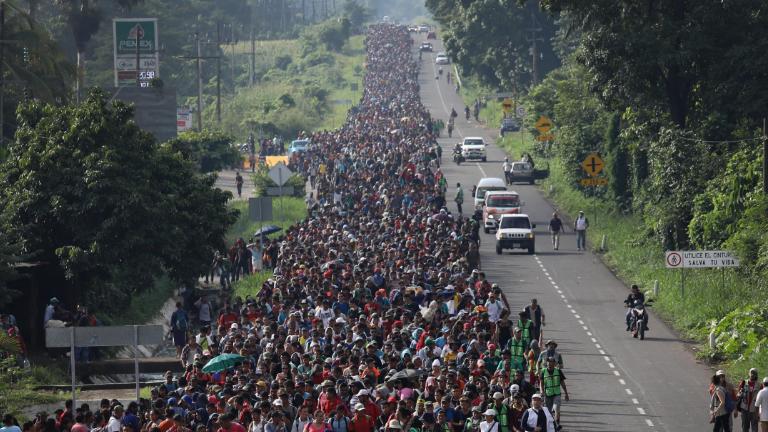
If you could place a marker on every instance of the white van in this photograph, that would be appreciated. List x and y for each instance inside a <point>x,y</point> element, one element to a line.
<point>487,184</point>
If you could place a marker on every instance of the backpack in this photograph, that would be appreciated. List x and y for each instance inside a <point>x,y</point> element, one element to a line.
<point>730,404</point>
<point>181,321</point>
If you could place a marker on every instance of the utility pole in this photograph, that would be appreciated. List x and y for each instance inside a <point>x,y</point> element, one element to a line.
<point>534,30</point>
<point>253,58</point>
<point>765,161</point>
<point>218,72</point>
<point>138,57</point>
<point>199,85</point>
<point>2,73</point>
<point>198,59</point>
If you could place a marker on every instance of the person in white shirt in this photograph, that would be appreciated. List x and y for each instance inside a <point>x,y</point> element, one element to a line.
<point>507,167</point>
<point>489,424</point>
<point>115,423</point>
<point>494,308</point>
<point>761,402</point>
<point>538,418</point>
<point>580,225</point>
<point>302,420</point>
<point>9,424</point>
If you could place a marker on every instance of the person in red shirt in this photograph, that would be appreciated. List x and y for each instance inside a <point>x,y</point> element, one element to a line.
<point>227,425</point>
<point>329,400</point>
<point>371,408</point>
<point>361,422</point>
<point>227,317</point>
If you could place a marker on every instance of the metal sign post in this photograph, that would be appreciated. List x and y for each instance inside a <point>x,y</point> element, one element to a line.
<point>87,337</point>
<point>280,175</point>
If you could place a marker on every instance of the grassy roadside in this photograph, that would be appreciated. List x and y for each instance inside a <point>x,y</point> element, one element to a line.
<point>713,299</point>
<point>294,211</point>
<point>350,64</point>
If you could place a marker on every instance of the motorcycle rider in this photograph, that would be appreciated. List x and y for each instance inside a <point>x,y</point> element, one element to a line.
<point>635,296</point>
<point>454,114</point>
<point>507,167</point>
<point>466,112</point>
<point>457,153</point>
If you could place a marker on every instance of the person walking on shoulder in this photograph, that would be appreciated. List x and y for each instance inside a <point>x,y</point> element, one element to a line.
<point>555,226</point>
<point>459,197</point>
<point>748,389</point>
<point>580,226</point>
<point>239,184</point>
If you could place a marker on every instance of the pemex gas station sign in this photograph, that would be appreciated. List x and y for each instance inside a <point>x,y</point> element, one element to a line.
<point>136,51</point>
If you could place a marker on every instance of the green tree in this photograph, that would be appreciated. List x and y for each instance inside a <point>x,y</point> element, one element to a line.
<point>663,55</point>
<point>85,188</point>
<point>209,150</point>
<point>10,254</point>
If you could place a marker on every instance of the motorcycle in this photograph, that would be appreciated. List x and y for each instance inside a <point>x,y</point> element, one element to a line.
<point>638,318</point>
<point>457,157</point>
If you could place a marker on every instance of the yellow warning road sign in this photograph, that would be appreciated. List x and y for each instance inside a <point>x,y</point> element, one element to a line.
<point>593,164</point>
<point>545,137</point>
<point>543,124</point>
<point>507,105</point>
<point>594,181</point>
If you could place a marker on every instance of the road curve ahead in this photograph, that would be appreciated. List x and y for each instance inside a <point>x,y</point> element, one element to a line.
<point>616,383</point>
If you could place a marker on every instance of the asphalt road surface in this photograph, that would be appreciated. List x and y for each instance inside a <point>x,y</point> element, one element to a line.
<point>616,383</point>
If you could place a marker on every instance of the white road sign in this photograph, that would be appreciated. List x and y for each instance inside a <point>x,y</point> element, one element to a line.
<point>520,111</point>
<point>280,174</point>
<point>700,259</point>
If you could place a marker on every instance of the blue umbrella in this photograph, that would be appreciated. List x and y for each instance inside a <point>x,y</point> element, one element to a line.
<point>267,230</point>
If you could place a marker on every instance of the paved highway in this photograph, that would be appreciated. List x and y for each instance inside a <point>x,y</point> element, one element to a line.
<point>616,383</point>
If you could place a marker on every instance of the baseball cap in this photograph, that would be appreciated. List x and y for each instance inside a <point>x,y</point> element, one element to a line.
<point>490,412</point>
<point>498,395</point>
<point>536,396</point>
<point>720,372</point>
<point>359,407</point>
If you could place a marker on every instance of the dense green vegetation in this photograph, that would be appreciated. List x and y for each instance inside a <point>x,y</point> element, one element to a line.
<point>672,96</point>
<point>79,186</point>
<point>304,84</point>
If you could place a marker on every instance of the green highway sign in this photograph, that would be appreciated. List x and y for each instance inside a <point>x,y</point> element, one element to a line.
<point>135,39</point>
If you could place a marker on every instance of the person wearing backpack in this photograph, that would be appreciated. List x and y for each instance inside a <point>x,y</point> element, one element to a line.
<point>179,327</point>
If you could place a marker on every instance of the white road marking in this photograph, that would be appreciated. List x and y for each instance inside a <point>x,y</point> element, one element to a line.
<point>635,401</point>
<point>481,169</point>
